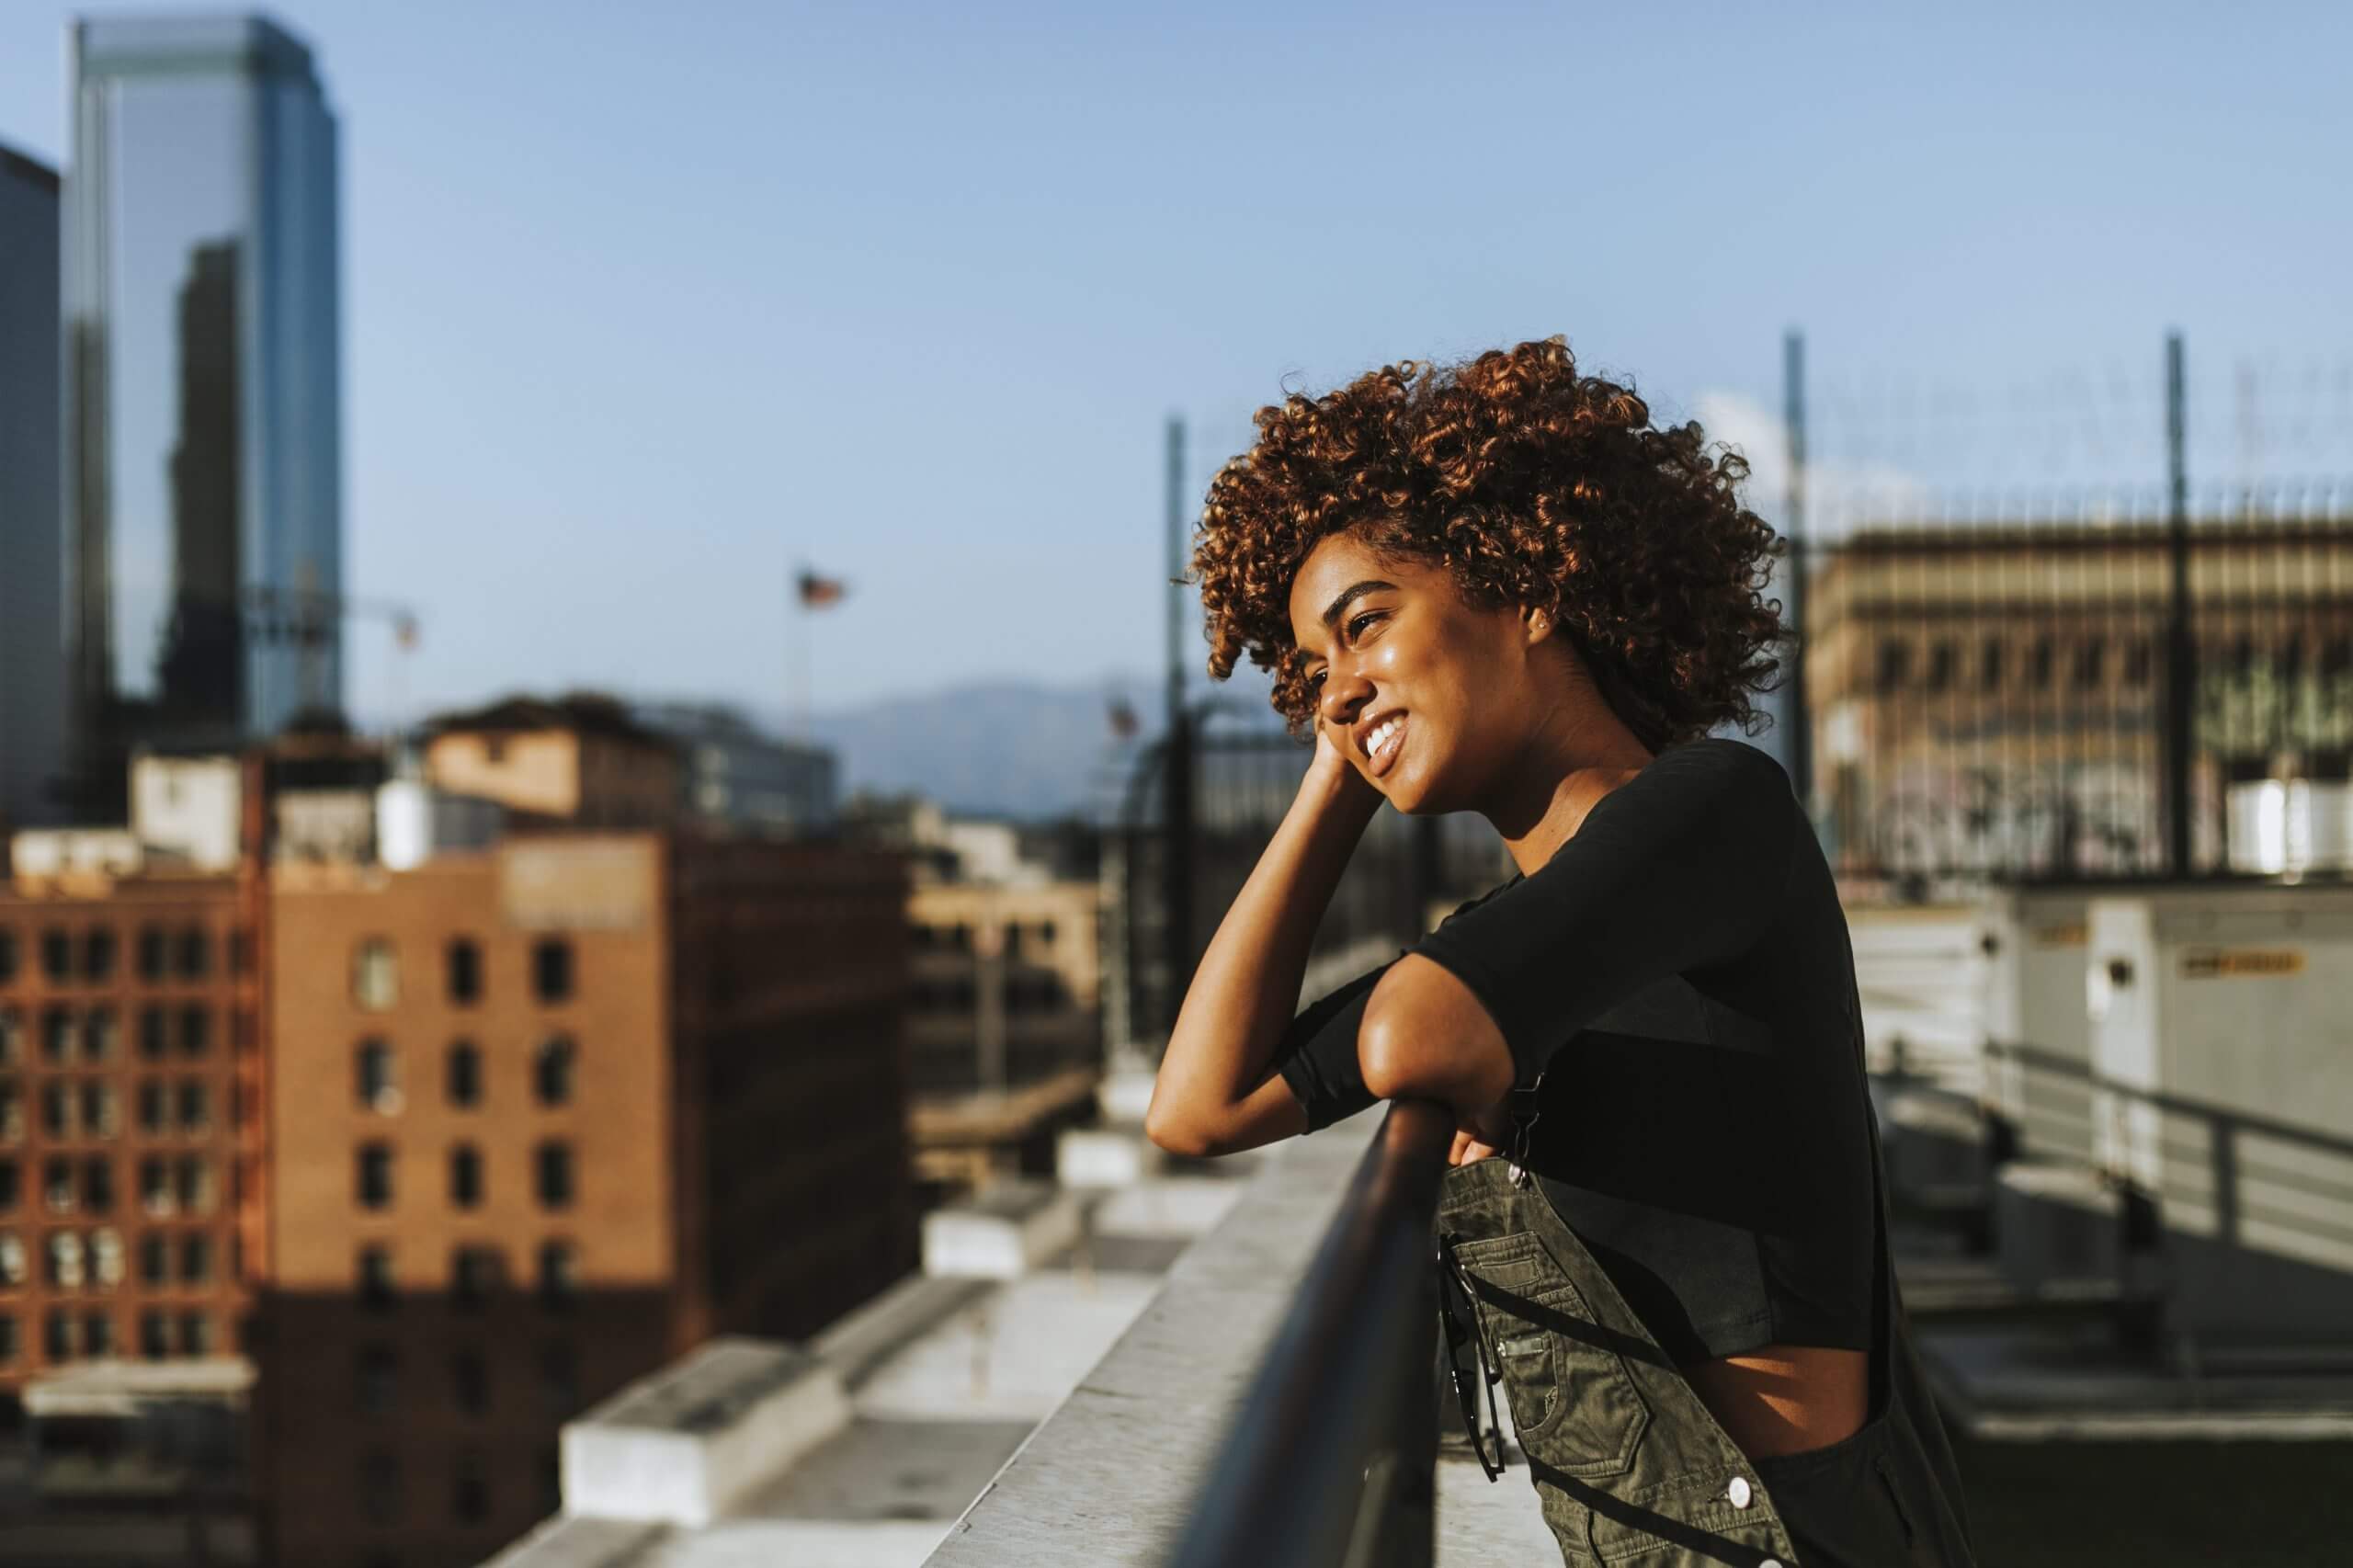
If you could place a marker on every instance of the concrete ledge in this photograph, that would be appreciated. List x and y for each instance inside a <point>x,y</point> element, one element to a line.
<point>1001,1234</point>
<point>682,1445</point>
<point>2053,1223</point>
<point>1935,1144</point>
<point>1106,1156</point>
<point>1108,1479</point>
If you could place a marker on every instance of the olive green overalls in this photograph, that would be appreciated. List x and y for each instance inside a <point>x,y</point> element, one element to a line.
<point>1630,1466</point>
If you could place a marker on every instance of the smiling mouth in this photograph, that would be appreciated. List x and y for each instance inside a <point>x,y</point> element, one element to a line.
<point>1383,744</point>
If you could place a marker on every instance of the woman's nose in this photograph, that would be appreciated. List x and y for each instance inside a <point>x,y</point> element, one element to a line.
<point>1344,694</point>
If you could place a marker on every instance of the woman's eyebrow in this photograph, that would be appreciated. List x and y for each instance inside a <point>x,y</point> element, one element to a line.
<point>1349,595</point>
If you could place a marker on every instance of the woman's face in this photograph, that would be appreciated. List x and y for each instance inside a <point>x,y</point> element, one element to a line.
<point>1425,693</point>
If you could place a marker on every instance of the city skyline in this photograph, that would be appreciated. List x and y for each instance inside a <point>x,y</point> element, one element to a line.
<point>903,320</point>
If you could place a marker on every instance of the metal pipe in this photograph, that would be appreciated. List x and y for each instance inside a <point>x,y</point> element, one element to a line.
<point>1330,1461</point>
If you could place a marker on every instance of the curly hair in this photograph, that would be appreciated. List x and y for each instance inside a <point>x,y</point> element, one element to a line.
<point>1535,486</point>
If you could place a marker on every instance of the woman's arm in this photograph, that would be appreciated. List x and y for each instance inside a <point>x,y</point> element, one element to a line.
<point>1218,1090</point>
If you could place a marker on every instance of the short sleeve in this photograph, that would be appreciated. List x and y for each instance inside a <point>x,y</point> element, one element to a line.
<point>1684,866</point>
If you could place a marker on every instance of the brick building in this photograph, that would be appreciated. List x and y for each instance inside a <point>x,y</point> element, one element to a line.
<point>127,1143</point>
<point>545,1117</point>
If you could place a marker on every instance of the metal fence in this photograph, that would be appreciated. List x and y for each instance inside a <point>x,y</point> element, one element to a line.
<point>1197,811</point>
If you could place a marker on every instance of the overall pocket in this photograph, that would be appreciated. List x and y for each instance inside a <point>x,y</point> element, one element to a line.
<point>1573,1405</point>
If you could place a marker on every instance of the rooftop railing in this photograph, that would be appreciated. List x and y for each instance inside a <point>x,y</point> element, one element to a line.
<point>1330,1462</point>
<point>1277,1403</point>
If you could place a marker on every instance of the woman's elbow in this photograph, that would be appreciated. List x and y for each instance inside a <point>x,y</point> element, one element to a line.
<point>1179,1130</point>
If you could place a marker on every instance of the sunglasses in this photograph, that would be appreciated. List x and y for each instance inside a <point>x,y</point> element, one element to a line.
<point>1457,1305</point>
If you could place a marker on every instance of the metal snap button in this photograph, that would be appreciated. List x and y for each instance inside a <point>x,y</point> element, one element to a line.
<point>1738,1492</point>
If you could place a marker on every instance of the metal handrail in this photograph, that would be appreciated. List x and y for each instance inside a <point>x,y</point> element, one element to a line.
<point>1331,1460</point>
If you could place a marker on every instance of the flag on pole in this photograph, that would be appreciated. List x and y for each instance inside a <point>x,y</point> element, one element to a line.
<point>816,590</point>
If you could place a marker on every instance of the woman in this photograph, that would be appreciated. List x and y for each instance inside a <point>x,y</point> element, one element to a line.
<point>1496,588</point>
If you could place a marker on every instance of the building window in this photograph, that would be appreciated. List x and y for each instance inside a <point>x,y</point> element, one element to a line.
<point>64,1261</point>
<point>56,957</point>
<point>551,1165</point>
<point>463,1077</point>
<point>106,1256</point>
<point>465,1176</point>
<point>196,1030</point>
<point>12,1113</point>
<point>377,1292</point>
<point>100,1035</point>
<point>195,1259</point>
<point>552,976</point>
<point>97,956</point>
<point>559,1275</point>
<point>196,1333</point>
<point>196,1105</point>
<point>57,1335</point>
<point>196,953</point>
<point>2091,663</point>
<point>475,1273</point>
<point>12,1258</point>
<point>57,1185</point>
<point>551,1070</point>
<point>377,1077</point>
<point>11,1187</point>
<point>56,1109</point>
<point>56,1037</point>
<point>2038,664</point>
<point>470,1382</point>
<point>12,1037</point>
<point>376,1371</point>
<point>97,1185</point>
<point>151,1105</point>
<point>560,1379</point>
<point>375,975</point>
<point>152,952</point>
<point>150,1033</point>
<point>2139,663</point>
<point>379,1487</point>
<point>154,1187</point>
<point>98,1334</point>
<point>154,1335</point>
<point>465,970</point>
<point>8,956</point>
<point>195,1173</point>
<point>154,1258</point>
<point>375,1175</point>
<point>470,1495</point>
<point>9,1349</point>
<point>100,1111</point>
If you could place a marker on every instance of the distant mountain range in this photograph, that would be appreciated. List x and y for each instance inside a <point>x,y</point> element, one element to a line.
<point>1010,748</point>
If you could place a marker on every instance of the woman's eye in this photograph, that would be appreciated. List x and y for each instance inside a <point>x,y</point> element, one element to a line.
<point>1356,627</point>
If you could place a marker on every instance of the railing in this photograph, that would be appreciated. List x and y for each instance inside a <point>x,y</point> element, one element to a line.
<point>1330,1462</point>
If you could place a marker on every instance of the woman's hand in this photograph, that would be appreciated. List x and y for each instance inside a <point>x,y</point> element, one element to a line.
<point>1337,776</point>
<point>1481,1137</point>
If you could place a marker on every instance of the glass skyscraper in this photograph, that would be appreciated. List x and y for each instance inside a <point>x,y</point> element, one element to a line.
<point>32,647</point>
<point>202,359</point>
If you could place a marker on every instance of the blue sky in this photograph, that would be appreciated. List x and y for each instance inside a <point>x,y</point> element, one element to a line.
<point>644,303</point>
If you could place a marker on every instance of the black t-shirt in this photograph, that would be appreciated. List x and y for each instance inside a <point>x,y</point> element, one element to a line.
<point>1678,983</point>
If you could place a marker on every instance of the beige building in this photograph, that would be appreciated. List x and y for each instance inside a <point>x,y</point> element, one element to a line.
<point>548,1116</point>
<point>1993,699</point>
<point>1003,1021</point>
<point>579,760</point>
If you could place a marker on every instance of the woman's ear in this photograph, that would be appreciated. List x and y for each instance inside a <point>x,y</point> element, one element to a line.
<point>1535,624</point>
